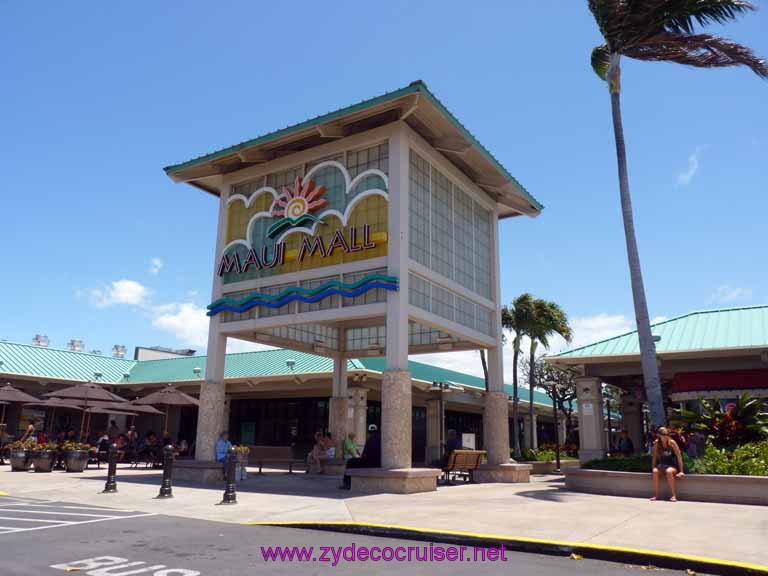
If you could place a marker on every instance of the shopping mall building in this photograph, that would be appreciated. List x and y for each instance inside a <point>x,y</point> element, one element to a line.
<point>353,240</point>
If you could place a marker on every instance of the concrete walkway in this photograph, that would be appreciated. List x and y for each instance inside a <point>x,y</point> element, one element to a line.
<point>541,509</point>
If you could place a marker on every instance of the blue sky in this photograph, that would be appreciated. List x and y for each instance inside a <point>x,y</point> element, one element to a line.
<point>97,97</point>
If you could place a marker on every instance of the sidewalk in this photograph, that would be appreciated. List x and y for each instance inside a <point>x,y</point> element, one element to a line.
<point>541,509</point>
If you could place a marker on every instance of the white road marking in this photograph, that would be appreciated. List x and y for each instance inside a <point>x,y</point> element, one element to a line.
<point>17,511</point>
<point>92,508</point>
<point>40,511</point>
<point>35,520</point>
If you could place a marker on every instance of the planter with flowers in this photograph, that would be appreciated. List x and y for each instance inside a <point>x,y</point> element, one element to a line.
<point>43,456</point>
<point>20,455</point>
<point>76,456</point>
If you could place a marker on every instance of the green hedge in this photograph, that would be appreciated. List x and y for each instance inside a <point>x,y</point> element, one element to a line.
<point>746,460</point>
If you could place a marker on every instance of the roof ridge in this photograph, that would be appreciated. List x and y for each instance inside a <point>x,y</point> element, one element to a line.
<point>66,350</point>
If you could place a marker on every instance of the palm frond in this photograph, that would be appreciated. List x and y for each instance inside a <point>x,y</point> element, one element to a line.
<point>601,59</point>
<point>699,50</point>
<point>683,15</point>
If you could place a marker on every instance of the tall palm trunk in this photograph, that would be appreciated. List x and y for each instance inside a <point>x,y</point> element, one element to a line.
<point>484,362</point>
<point>647,346</point>
<point>516,399</point>
<point>531,380</point>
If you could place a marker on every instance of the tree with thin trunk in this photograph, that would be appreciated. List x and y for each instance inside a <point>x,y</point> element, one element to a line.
<point>548,320</point>
<point>658,30</point>
<point>517,318</point>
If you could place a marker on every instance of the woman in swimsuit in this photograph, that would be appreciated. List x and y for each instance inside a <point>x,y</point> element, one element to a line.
<point>668,461</point>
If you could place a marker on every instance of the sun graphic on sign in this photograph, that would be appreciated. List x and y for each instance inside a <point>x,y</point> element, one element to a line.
<point>293,207</point>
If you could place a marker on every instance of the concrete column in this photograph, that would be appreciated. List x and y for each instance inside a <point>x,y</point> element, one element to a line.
<point>337,412</point>
<point>396,419</point>
<point>396,384</point>
<point>357,414</point>
<point>496,414</point>
<point>210,419</point>
<point>632,420</point>
<point>434,431</point>
<point>563,429</point>
<point>591,425</point>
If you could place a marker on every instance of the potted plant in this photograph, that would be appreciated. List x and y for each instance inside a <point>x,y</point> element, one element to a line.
<point>76,456</point>
<point>20,455</point>
<point>43,456</point>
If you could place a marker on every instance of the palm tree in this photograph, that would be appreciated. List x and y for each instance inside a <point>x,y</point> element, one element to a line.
<point>548,319</point>
<point>658,30</point>
<point>518,319</point>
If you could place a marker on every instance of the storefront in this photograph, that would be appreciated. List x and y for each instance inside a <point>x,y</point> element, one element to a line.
<point>369,231</point>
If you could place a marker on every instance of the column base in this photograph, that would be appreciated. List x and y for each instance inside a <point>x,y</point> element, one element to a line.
<point>506,473</point>
<point>202,471</point>
<point>585,455</point>
<point>394,481</point>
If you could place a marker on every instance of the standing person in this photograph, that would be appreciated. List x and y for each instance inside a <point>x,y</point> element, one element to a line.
<point>114,431</point>
<point>222,449</point>
<point>371,457</point>
<point>29,435</point>
<point>668,460</point>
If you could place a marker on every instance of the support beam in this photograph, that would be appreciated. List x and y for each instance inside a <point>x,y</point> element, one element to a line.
<point>452,145</point>
<point>255,156</point>
<point>410,105</point>
<point>333,131</point>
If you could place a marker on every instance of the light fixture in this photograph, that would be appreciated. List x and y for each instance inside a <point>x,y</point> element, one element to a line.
<point>126,376</point>
<point>97,375</point>
<point>290,363</point>
<point>196,371</point>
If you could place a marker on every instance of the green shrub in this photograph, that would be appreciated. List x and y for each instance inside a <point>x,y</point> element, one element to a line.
<point>545,455</point>
<point>640,463</point>
<point>746,460</point>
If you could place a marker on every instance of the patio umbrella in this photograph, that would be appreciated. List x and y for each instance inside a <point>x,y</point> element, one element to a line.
<point>133,408</point>
<point>86,391</point>
<point>9,394</point>
<point>56,403</point>
<point>169,396</point>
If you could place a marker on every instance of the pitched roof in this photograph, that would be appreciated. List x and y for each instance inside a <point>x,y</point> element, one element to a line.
<point>54,363</point>
<point>431,373</point>
<point>723,329</point>
<point>58,364</point>
<point>305,135</point>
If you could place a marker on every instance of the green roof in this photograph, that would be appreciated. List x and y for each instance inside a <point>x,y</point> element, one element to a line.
<point>29,360</point>
<point>431,373</point>
<point>57,364</point>
<point>416,87</point>
<point>728,328</point>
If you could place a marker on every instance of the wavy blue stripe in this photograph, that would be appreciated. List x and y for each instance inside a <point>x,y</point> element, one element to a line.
<point>306,299</point>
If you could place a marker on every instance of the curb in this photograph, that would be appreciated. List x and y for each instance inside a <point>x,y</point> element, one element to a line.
<point>638,556</point>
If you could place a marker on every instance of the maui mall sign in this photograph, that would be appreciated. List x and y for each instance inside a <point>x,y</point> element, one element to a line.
<point>306,227</point>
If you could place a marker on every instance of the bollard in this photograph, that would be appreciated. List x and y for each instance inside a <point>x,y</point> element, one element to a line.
<point>111,484</point>
<point>230,493</point>
<point>166,490</point>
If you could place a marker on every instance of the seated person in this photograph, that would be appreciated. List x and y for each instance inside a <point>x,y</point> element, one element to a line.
<point>371,457</point>
<point>349,449</point>
<point>222,448</point>
<point>318,453</point>
<point>183,448</point>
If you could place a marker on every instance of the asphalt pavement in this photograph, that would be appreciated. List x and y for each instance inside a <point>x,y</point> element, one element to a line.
<point>42,538</point>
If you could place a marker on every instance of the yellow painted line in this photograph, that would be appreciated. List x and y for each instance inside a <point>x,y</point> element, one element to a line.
<point>583,545</point>
<point>4,493</point>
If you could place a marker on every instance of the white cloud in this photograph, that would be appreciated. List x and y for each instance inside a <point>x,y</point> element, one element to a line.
<point>155,265</point>
<point>187,322</point>
<point>728,293</point>
<point>684,178</point>
<point>127,292</point>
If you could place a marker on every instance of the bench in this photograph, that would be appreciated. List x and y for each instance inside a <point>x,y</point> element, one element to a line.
<point>261,455</point>
<point>462,462</point>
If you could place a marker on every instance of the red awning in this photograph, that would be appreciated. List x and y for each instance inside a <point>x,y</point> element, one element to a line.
<point>723,380</point>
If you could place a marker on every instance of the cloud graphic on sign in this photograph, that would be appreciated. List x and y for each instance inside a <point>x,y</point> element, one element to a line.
<point>372,182</point>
